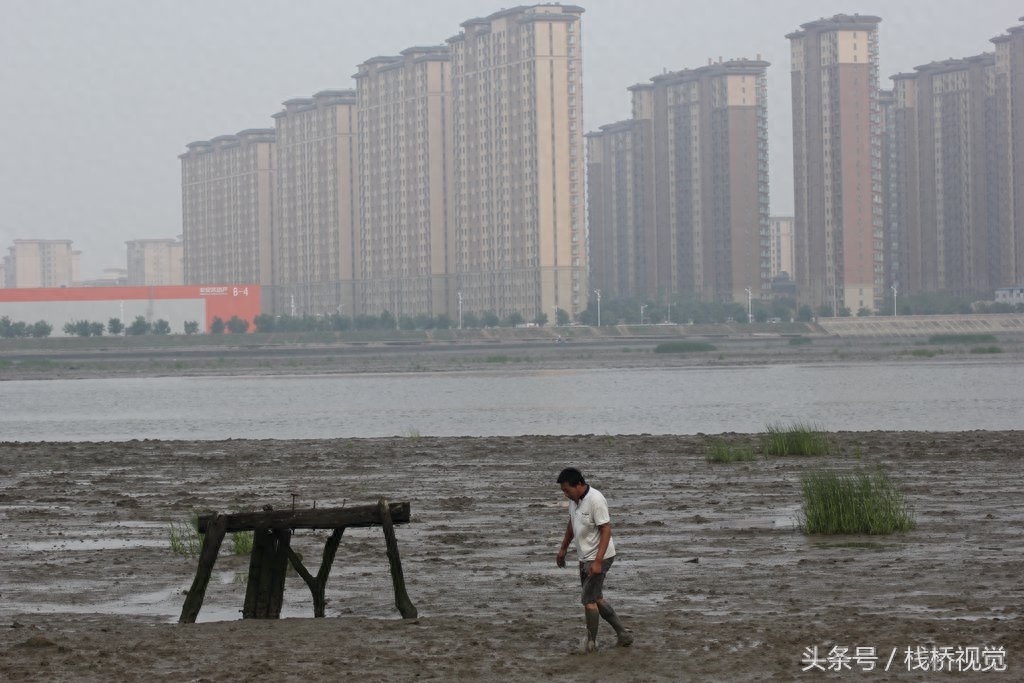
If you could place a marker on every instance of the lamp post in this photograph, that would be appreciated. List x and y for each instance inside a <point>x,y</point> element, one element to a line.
<point>894,301</point>
<point>554,322</point>
<point>460,309</point>
<point>642,307</point>
<point>750,318</point>
<point>598,293</point>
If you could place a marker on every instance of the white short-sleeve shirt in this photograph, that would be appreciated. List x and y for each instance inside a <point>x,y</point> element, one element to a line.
<point>586,516</point>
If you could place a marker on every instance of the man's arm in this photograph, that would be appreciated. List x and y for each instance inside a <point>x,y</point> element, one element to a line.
<point>566,540</point>
<point>602,547</point>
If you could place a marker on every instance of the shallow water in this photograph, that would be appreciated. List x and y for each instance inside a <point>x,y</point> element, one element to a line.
<point>932,396</point>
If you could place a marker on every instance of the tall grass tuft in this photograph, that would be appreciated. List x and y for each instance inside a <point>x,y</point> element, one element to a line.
<point>722,452</point>
<point>797,439</point>
<point>860,502</point>
<point>241,542</point>
<point>185,537</point>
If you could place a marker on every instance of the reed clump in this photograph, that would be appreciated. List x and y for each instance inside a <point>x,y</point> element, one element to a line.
<point>857,502</point>
<point>720,451</point>
<point>797,439</point>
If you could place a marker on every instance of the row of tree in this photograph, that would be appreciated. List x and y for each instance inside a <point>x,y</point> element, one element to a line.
<point>611,312</point>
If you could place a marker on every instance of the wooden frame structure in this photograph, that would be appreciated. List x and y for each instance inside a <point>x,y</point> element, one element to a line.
<point>271,553</point>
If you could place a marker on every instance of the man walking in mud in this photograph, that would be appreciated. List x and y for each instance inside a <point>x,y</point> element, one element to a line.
<point>590,525</point>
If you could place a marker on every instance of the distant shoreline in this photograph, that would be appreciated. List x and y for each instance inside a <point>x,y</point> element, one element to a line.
<point>527,349</point>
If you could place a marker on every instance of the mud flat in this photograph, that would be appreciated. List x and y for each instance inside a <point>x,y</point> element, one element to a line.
<point>713,575</point>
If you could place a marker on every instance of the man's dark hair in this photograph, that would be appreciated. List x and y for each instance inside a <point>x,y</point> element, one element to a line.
<point>571,476</point>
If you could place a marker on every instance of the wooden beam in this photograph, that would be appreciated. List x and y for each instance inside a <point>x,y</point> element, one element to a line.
<point>207,557</point>
<point>402,601</point>
<point>310,518</point>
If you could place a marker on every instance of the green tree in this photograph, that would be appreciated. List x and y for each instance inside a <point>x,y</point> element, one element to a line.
<point>470,320</point>
<point>237,325</point>
<point>490,319</point>
<point>217,325</point>
<point>443,322</point>
<point>863,312</point>
<point>805,314</point>
<point>562,317</point>
<point>6,328</point>
<point>540,319</point>
<point>161,327</point>
<point>96,329</point>
<point>515,319</point>
<point>41,329</point>
<point>115,326</point>
<point>264,322</point>
<point>191,327</point>
<point>139,326</point>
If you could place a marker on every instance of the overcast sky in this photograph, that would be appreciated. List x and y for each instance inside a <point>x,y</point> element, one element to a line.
<point>99,97</point>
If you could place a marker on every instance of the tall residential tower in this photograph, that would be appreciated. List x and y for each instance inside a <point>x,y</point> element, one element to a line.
<point>519,238</point>
<point>837,163</point>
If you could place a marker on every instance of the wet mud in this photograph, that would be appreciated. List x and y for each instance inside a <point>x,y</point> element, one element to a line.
<point>713,576</point>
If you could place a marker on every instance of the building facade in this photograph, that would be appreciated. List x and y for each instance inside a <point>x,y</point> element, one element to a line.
<point>227,188</point>
<point>679,195</point>
<point>783,252</point>
<point>954,240</point>
<point>316,237</point>
<point>155,262</point>
<point>404,169</point>
<point>517,209</point>
<point>837,163</point>
<point>41,263</point>
<point>1009,152</point>
<point>620,220</point>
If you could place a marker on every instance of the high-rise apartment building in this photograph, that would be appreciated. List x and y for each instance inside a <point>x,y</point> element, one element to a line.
<point>155,262</point>
<point>517,209</point>
<point>946,194</point>
<point>679,195</point>
<point>41,263</point>
<point>404,163</point>
<point>837,163</point>
<point>227,189</point>
<point>620,222</point>
<point>1009,152</point>
<point>316,237</point>
<point>783,253</point>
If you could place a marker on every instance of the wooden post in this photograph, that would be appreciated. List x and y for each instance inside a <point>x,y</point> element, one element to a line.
<point>207,558</point>
<point>318,584</point>
<point>268,564</point>
<point>402,601</point>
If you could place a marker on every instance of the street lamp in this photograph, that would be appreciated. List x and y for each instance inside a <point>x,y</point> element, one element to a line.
<point>460,309</point>
<point>642,307</point>
<point>554,323</point>
<point>894,301</point>
<point>598,293</point>
<point>750,318</point>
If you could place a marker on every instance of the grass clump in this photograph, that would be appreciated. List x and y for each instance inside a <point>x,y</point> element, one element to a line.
<point>722,452</point>
<point>185,538</point>
<point>796,439</point>
<point>860,502</point>
<point>241,542</point>
<point>986,349</point>
<point>961,339</point>
<point>800,341</point>
<point>683,347</point>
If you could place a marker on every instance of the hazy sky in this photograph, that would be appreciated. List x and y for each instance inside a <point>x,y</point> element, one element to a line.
<point>99,97</point>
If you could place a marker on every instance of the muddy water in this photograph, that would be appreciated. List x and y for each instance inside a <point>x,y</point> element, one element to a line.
<point>863,396</point>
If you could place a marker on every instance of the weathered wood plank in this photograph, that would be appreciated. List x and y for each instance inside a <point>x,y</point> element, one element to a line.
<point>207,557</point>
<point>310,518</point>
<point>402,601</point>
